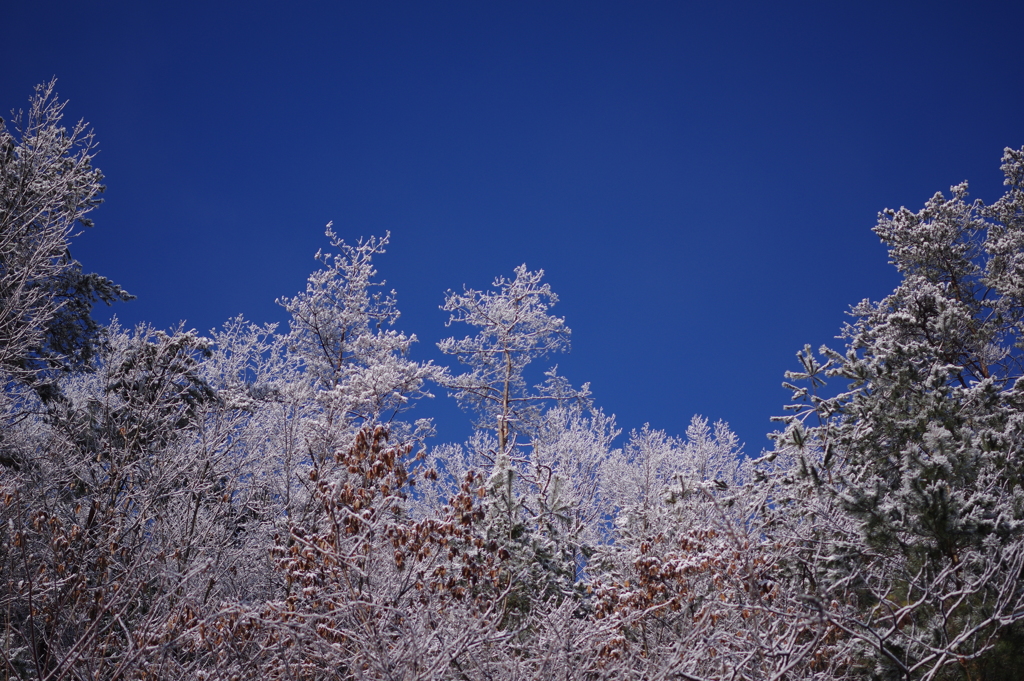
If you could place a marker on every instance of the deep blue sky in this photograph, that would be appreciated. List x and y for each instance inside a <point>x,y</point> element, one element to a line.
<point>698,180</point>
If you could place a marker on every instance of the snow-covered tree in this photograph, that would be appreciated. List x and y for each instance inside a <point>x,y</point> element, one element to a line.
<point>924,448</point>
<point>514,328</point>
<point>356,365</point>
<point>543,500</point>
<point>48,186</point>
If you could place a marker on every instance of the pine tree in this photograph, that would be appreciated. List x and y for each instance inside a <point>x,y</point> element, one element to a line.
<point>924,449</point>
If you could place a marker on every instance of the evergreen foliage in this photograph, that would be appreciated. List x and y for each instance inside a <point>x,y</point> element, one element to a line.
<point>923,449</point>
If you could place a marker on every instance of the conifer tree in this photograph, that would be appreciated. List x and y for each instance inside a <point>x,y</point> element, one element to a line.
<point>924,448</point>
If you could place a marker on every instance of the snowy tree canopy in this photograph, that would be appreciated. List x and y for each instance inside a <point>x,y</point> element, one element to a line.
<point>249,504</point>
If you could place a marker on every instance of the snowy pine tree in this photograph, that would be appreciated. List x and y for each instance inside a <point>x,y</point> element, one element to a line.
<point>924,448</point>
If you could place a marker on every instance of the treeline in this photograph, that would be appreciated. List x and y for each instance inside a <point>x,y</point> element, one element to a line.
<point>257,504</point>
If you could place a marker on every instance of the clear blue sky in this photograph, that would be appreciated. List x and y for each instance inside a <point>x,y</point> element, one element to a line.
<point>698,180</point>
